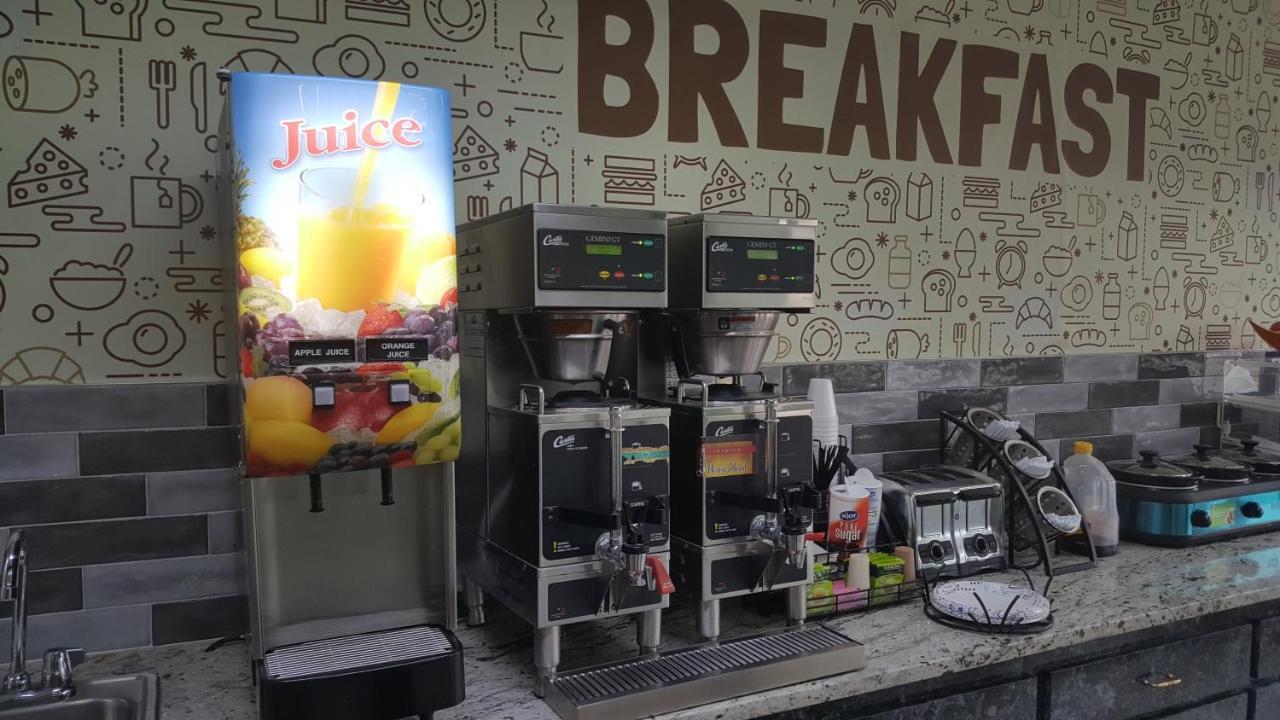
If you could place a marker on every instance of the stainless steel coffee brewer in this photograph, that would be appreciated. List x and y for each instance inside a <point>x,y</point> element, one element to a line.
<point>741,461</point>
<point>563,504</point>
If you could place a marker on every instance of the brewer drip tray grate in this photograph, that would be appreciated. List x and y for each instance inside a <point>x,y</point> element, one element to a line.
<point>679,679</point>
<point>359,652</point>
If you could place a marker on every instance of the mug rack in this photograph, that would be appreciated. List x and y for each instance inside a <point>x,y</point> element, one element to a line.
<point>1033,542</point>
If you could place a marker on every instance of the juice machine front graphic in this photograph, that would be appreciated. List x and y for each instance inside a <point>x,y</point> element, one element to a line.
<point>741,456</point>
<point>339,197</point>
<point>565,516</point>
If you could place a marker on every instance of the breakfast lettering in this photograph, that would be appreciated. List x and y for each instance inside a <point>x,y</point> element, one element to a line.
<point>347,137</point>
<point>994,86</point>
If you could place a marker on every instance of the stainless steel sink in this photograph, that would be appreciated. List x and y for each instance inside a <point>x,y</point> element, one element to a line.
<point>121,697</point>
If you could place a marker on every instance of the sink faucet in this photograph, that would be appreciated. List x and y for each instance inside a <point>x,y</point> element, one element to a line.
<point>55,680</point>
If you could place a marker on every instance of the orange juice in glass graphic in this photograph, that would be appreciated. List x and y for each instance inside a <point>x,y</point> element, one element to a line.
<point>350,257</point>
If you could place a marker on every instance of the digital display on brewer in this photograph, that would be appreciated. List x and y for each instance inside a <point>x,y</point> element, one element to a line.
<point>760,265</point>
<point>597,249</point>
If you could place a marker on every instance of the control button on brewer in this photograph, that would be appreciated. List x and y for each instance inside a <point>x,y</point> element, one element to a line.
<point>774,277</point>
<point>1251,510</point>
<point>762,277</point>
<point>604,274</point>
<point>619,274</point>
<point>1201,519</point>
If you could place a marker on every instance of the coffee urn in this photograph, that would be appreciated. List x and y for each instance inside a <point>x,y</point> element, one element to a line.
<point>563,512</point>
<point>742,492</point>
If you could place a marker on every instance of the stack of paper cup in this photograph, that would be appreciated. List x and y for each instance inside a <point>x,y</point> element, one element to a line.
<point>826,423</point>
<point>875,489</point>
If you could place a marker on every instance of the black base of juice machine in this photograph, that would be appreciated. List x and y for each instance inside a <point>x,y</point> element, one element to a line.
<point>390,675</point>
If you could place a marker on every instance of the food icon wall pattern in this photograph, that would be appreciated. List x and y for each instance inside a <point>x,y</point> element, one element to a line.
<point>991,178</point>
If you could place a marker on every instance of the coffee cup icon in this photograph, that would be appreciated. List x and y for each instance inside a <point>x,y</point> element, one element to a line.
<point>1224,186</point>
<point>162,202</point>
<point>42,85</point>
<point>1255,250</point>
<point>1025,7</point>
<point>1091,211</point>
<point>1204,29</point>
<point>788,202</point>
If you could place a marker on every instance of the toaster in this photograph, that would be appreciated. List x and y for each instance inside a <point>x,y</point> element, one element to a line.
<point>952,516</point>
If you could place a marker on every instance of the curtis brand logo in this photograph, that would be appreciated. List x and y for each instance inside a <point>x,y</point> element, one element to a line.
<point>562,441</point>
<point>554,240</point>
<point>720,246</point>
<point>347,137</point>
<point>724,430</point>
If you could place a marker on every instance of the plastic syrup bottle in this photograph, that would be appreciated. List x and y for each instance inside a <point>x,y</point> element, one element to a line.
<point>1095,492</point>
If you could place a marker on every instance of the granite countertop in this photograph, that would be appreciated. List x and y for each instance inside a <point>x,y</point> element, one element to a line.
<point>1138,589</point>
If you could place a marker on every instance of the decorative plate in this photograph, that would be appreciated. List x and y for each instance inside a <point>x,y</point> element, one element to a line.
<point>960,600</point>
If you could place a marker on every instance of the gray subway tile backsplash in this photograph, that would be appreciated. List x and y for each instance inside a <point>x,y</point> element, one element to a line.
<point>198,619</point>
<point>1124,393</point>
<point>930,374</point>
<point>157,450</point>
<point>1147,418</point>
<point>97,629</point>
<point>888,437</point>
<point>861,408</point>
<point>143,521</point>
<point>1092,368</point>
<point>1048,398</point>
<point>32,457</point>
<point>1191,389</point>
<point>28,502</point>
<point>908,459</point>
<point>62,408</point>
<point>955,400</point>
<point>150,581</point>
<point>110,541</point>
<point>192,491</point>
<point>51,591</point>
<point>226,531</point>
<point>1198,414</point>
<point>1157,366</point>
<point>1073,422</point>
<point>845,377</point>
<point>1022,370</point>
<point>1167,442</point>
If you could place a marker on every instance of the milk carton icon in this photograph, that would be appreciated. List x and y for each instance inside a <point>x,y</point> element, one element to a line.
<point>1127,237</point>
<point>539,179</point>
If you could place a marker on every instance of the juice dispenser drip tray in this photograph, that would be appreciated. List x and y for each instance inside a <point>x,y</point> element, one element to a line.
<point>407,672</point>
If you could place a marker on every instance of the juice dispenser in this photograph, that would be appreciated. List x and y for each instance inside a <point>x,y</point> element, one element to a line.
<point>339,197</point>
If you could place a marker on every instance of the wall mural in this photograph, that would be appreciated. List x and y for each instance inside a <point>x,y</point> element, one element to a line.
<point>991,177</point>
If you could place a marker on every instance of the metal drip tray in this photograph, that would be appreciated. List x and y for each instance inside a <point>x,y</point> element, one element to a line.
<point>684,678</point>
<point>359,652</point>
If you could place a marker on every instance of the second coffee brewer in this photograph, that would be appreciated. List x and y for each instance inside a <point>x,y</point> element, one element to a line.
<point>741,461</point>
<point>562,513</point>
